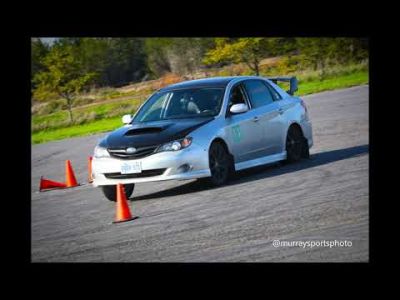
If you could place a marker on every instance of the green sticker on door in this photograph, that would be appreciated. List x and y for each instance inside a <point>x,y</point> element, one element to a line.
<point>236,133</point>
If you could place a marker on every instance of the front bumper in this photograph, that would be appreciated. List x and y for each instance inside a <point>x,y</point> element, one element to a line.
<point>188,163</point>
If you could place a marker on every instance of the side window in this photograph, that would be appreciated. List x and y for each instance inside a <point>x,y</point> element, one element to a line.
<point>236,96</point>
<point>258,93</point>
<point>274,93</point>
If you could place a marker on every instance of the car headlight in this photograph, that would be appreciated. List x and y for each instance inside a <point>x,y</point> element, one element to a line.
<point>100,152</point>
<point>176,145</point>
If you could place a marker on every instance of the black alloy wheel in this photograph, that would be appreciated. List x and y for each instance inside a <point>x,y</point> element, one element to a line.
<point>220,164</point>
<point>294,144</point>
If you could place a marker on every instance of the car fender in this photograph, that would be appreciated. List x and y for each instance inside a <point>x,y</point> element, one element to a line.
<point>206,134</point>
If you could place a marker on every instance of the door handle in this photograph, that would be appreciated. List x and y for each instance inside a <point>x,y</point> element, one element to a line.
<point>281,110</point>
<point>255,119</point>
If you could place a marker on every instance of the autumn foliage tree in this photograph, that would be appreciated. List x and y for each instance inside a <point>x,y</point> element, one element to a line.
<point>241,50</point>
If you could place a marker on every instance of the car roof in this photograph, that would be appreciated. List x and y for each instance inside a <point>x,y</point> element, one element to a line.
<point>204,82</point>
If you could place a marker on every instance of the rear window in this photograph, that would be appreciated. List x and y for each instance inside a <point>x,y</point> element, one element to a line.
<point>274,93</point>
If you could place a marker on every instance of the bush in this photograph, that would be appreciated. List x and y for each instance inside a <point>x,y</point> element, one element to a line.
<point>122,109</point>
<point>107,93</point>
<point>82,101</point>
<point>40,126</point>
<point>85,117</point>
<point>224,72</point>
<point>49,107</point>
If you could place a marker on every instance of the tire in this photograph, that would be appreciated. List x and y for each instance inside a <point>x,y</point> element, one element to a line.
<point>110,191</point>
<point>220,163</point>
<point>294,144</point>
<point>306,149</point>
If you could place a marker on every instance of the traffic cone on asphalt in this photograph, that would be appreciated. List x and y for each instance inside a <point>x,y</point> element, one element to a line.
<point>70,179</point>
<point>122,213</point>
<point>50,184</point>
<point>90,178</point>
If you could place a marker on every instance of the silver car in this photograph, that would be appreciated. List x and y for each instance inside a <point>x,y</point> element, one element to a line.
<point>206,128</point>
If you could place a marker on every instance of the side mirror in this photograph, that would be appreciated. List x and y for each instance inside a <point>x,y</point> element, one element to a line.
<point>126,119</point>
<point>238,108</point>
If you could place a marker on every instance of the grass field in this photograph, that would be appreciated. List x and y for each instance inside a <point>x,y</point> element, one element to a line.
<point>107,116</point>
<point>83,115</point>
<point>348,80</point>
<point>76,130</point>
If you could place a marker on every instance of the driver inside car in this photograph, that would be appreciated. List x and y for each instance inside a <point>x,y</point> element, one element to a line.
<point>188,104</point>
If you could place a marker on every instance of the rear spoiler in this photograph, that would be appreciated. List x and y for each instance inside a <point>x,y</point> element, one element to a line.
<point>291,79</point>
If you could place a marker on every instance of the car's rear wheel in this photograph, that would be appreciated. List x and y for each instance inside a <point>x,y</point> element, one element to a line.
<point>295,143</point>
<point>306,149</point>
<point>110,191</point>
<point>220,163</point>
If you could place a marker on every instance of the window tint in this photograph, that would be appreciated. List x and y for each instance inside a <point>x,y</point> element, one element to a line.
<point>236,96</point>
<point>274,93</point>
<point>258,93</point>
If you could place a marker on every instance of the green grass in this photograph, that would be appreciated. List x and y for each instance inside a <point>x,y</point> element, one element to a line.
<point>107,116</point>
<point>76,130</point>
<point>58,105</point>
<point>84,115</point>
<point>338,82</point>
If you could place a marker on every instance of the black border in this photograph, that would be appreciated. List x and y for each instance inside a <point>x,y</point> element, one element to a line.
<point>299,27</point>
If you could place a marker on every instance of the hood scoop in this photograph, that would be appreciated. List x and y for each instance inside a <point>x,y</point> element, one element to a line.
<point>145,130</point>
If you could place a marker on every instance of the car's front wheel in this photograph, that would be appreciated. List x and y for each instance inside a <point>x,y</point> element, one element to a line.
<point>110,191</point>
<point>220,164</point>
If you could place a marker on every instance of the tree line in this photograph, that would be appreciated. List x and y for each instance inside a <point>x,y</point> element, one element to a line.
<point>71,65</point>
<point>118,61</point>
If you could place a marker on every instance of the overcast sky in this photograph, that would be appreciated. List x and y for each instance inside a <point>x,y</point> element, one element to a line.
<point>48,40</point>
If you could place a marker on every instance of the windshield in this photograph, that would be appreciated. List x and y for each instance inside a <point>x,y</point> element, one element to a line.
<point>179,104</point>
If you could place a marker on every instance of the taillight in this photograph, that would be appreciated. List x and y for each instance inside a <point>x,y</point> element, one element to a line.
<point>305,107</point>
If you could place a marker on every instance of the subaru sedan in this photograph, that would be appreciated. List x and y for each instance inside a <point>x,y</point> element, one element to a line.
<point>205,128</point>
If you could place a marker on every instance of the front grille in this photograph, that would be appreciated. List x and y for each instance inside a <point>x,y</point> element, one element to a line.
<point>140,152</point>
<point>145,173</point>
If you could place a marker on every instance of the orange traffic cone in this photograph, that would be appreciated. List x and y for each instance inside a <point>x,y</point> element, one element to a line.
<point>50,184</point>
<point>122,214</point>
<point>70,179</point>
<point>90,178</point>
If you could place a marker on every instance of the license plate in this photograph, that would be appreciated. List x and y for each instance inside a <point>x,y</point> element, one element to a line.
<point>131,167</point>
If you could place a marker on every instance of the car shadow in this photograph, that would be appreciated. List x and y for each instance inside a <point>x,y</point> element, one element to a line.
<point>263,172</point>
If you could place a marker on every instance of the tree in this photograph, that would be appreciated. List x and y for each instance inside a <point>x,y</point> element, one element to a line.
<point>117,61</point>
<point>242,50</point>
<point>93,55</point>
<point>126,60</point>
<point>38,51</point>
<point>317,52</point>
<point>185,54</point>
<point>62,75</point>
<point>177,55</point>
<point>322,52</point>
<point>157,55</point>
